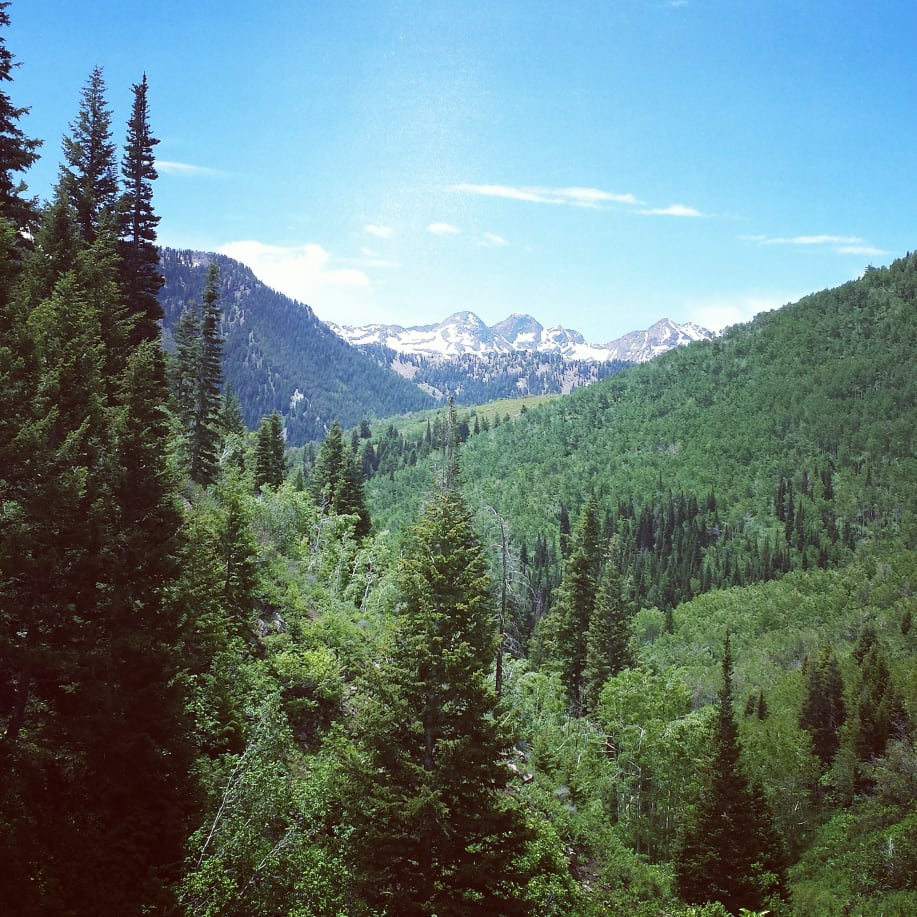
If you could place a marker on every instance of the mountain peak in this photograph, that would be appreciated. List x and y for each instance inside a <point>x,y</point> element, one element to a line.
<point>464,332</point>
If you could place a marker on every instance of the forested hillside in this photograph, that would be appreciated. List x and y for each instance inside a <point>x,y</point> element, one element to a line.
<point>791,434</point>
<point>279,357</point>
<point>647,649</point>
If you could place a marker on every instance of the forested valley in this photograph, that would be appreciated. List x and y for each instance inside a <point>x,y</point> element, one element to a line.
<point>644,649</point>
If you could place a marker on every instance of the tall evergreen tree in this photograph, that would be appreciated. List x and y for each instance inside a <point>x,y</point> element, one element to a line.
<point>878,714</point>
<point>90,177</point>
<point>436,831</point>
<point>574,603</point>
<point>350,497</point>
<point>17,151</point>
<point>270,453</point>
<point>139,254</point>
<point>329,466</point>
<point>729,850</point>
<point>93,749</point>
<point>204,438</point>
<point>824,711</point>
<point>608,636</point>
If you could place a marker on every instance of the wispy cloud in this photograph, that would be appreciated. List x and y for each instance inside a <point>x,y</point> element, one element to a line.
<point>673,210</point>
<point>304,272</point>
<point>492,240</point>
<point>867,250</point>
<point>843,245</point>
<point>574,196</point>
<point>443,229</point>
<point>380,232</point>
<point>720,311</point>
<point>168,167</point>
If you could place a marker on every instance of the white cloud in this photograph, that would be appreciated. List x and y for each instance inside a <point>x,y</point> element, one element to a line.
<point>842,245</point>
<point>443,229</point>
<point>867,250</point>
<point>167,167</point>
<point>673,210</point>
<point>494,241</point>
<point>811,240</point>
<point>380,232</point>
<point>574,196</point>
<point>303,272</point>
<point>718,312</point>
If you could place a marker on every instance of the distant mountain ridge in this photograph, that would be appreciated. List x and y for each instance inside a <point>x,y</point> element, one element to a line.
<point>278,356</point>
<point>465,333</point>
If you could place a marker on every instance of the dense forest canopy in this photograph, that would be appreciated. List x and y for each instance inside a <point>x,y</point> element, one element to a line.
<point>645,649</point>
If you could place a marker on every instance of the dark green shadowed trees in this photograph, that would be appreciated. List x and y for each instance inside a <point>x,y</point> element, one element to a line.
<point>729,850</point>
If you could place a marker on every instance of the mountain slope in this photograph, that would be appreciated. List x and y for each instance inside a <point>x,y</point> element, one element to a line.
<point>826,383</point>
<point>279,356</point>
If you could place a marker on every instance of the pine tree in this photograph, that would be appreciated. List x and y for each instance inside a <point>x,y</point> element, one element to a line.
<point>270,456</point>
<point>90,176</point>
<point>139,254</point>
<point>729,850</point>
<point>575,601</point>
<point>350,497</point>
<point>337,480</point>
<point>608,637</point>
<point>879,713</point>
<point>204,436</point>
<point>824,711</point>
<point>328,468</point>
<point>93,747</point>
<point>436,831</point>
<point>17,151</point>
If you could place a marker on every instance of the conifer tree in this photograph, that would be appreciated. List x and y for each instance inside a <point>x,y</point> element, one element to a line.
<point>729,850</point>
<point>139,254</point>
<point>329,465</point>
<point>608,636</point>
<point>878,714</point>
<point>204,435</point>
<point>17,151</point>
<point>337,480</point>
<point>436,831</point>
<point>270,455</point>
<point>350,497</point>
<point>93,747</point>
<point>90,176</point>
<point>824,711</point>
<point>575,601</point>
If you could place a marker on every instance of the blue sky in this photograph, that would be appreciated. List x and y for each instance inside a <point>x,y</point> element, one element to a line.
<point>597,164</point>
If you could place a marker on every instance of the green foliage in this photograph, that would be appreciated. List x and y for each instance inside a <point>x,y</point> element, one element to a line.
<point>90,176</point>
<point>658,744</point>
<point>270,453</point>
<point>435,830</point>
<point>337,483</point>
<point>728,849</point>
<point>139,255</point>
<point>17,151</point>
<point>824,710</point>
<point>258,854</point>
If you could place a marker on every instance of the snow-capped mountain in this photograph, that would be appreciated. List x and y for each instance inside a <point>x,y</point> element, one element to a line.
<point>465,333</point>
